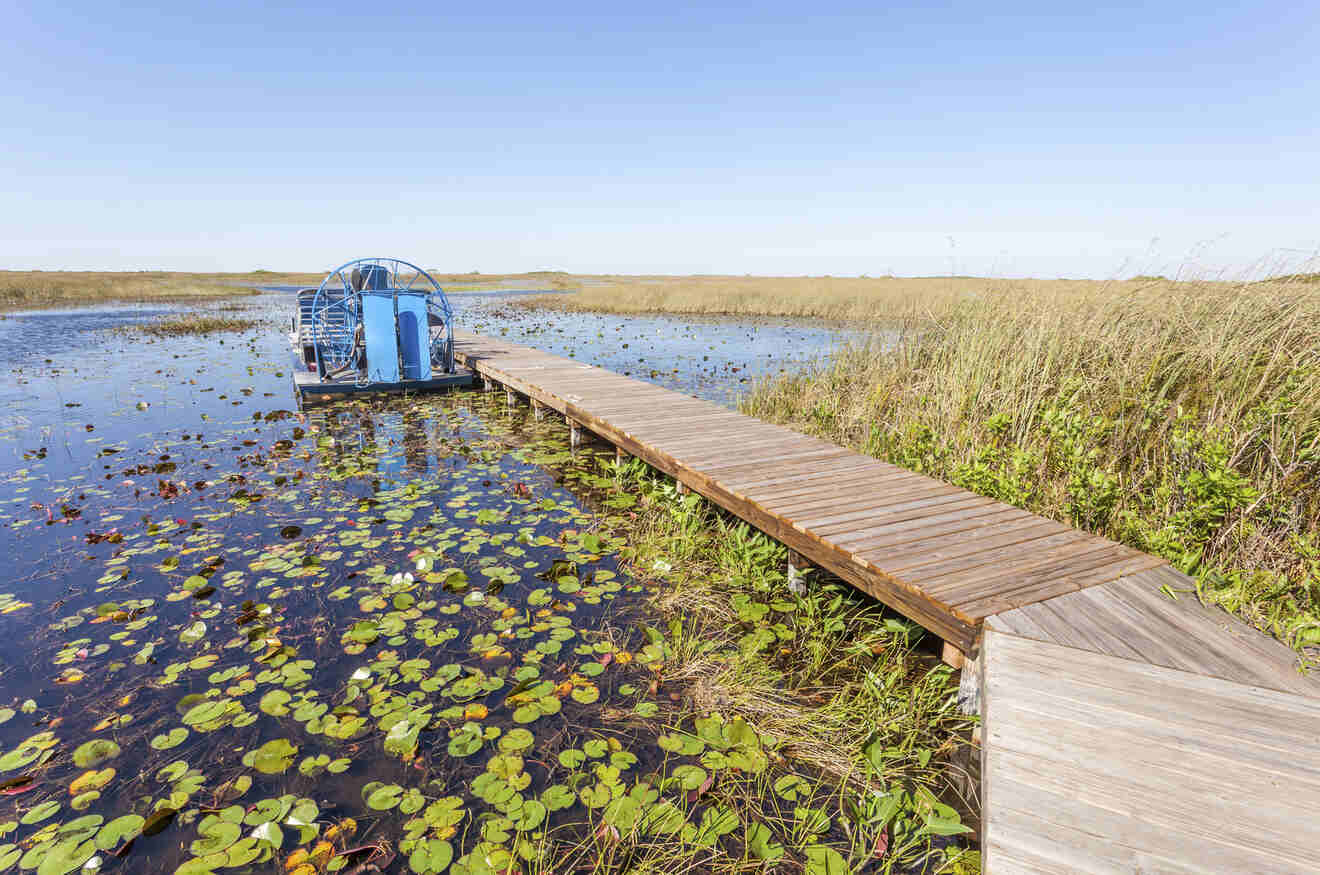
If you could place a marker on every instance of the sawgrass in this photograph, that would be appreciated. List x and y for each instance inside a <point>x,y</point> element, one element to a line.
<point>885,299</point>
<point>1180,418</point>
<point>25,290</point>
<point>37,289</point>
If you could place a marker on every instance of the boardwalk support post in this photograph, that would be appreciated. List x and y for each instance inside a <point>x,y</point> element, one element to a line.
<point>969,685</point>
<point>538,410</point>
<point>509,397</point>
<point>574,435</point>
<point>797,568</point>
<point>682,487</point>
<point>619,455</point>
<point>952,655</point>
<point>486,384</point>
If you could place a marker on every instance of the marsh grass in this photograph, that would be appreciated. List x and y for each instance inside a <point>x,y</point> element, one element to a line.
<point>21,290</point>
<point>845,688</point>
<point>883,299</point>
<point>193,324</point>
<point>1182,419</point>
<point>37,289</point>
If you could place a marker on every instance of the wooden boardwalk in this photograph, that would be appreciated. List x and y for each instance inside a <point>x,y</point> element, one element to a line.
<point>1134,667</point>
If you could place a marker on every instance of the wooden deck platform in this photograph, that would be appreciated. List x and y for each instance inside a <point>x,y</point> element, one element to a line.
<point>978,572</point>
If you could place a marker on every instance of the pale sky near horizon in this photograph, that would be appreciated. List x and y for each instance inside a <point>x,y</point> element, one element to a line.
<point>1018,139</point>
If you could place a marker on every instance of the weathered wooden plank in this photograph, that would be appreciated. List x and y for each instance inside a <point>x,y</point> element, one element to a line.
<point>723,448</point>
<point>1099,764</point>
<point>860,482</point>
<point>865,537</point>
<point>1056,587</point>
<point>912,502</point>
<point>733,468</point>
<point>1132,613</point>
<point>844,513</point>
<point>987,560</point>
<point>797,472</point>
<point>712,454</point>
<point>1031,568</point>
<point>986,542</point>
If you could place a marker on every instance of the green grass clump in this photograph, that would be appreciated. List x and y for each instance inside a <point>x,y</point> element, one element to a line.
<point>194,324</point>
<point>1180,419</point>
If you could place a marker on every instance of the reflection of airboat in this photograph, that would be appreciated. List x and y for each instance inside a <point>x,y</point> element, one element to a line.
<point>374,325</point>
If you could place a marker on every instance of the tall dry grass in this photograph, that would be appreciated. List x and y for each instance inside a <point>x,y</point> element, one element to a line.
<point>887,299</point>
<point>33,289</point>
<point>21,290</point>
<point>1181,418</point>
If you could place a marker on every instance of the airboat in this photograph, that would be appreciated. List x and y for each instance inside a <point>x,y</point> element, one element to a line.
<point>374,325</point>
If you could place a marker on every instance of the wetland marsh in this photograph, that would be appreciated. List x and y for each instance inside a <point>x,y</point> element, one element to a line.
<point>419,634</point>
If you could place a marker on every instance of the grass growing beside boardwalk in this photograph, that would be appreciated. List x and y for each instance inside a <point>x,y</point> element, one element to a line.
<point>1181,419</point>
<point>847,701</point>
<point>193,324</point>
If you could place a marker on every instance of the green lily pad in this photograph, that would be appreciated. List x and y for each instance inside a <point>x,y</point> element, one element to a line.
<point>40,813</point>
<point>95,752</point>
<point>530,816</point>
<point>431,857</point>
<point>761,842</point>
<point>557,796</point>
<point>173,738</point>
<point>66,856</point>
<point>824,860</point>
<point>516,740</point>
<point>119,830</point>
<point>385,798</point>
<point>274,757</point>
<point>689,777</point>
<point>217,835</point>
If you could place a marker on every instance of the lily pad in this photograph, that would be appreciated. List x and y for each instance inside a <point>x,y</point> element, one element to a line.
<point>40,813</point>
<point>119,830</point>
<point>274,757</point>
<point>431,856</point>
<point>95,752</point>
<point>173,738</point>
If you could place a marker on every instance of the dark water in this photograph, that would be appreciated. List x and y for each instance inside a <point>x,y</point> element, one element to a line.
<point>377,622</point>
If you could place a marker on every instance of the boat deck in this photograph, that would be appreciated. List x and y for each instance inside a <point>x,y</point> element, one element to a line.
<point>1135,653</point>
<point>308,383</point>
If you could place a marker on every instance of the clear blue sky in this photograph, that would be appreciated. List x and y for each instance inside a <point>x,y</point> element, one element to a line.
<point>773,138</point>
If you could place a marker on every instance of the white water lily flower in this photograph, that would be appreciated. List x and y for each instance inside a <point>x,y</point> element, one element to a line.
<point>92,865</point>
<point>361,674</point>
<point>661,566</point>
<point>423,564</point>
<point>269,832</point>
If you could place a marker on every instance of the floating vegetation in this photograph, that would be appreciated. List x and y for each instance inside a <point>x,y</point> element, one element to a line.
<point>194,324</point>
<point>420,635</point>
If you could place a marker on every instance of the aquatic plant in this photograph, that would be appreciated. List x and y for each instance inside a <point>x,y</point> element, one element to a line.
<point>193,324</point>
